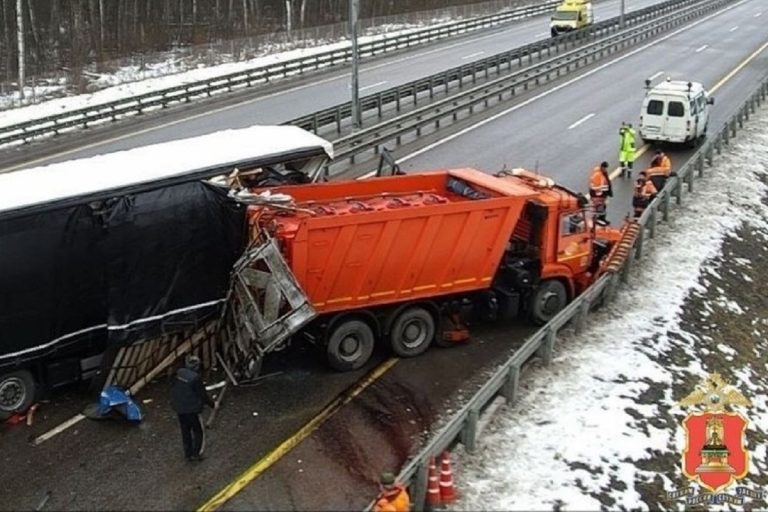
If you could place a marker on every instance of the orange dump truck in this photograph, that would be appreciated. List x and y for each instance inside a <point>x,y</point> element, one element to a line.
<point>388,260</point>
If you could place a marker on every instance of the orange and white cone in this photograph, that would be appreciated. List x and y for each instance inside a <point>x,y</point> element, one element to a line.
<point>447,491</point>
<point>433,487</point>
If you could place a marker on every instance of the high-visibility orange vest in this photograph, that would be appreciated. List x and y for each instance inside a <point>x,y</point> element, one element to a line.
<point>661,164</point>
<point>598,184</point>
<point>646,190</point>
<point>394,500</point>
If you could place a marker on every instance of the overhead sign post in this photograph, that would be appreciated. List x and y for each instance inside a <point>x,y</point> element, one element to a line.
<point>354,9</point>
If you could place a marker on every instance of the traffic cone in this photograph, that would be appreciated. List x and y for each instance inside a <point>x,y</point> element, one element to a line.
<point>447,491</point>
<point>433,489</point>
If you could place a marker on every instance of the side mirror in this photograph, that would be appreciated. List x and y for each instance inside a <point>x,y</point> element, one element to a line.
<point>710,101</point>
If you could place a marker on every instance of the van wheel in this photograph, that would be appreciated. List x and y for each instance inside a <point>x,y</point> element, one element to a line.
<point>548,300</point>
<point>17,392</point>
<point>350,345</point>
<point>412,332</point>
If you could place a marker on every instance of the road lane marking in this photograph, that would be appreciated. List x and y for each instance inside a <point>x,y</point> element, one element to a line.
<point>476,54</point>
<point>734,28</point>
<point>714,88</point>
<point>371,86</point>
<point>546,93</point>
<point>655,75</point>
<point>542,34</point>
<point>702,48</point>
<point>292,442</point>
<point>582,120</point>
<point>758,14</point>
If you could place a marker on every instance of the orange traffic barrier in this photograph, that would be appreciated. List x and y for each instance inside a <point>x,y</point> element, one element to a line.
<point>433,488</point>
<point>447,491</point>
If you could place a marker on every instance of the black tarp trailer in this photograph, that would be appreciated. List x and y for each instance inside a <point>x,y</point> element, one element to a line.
<point>119,248</point>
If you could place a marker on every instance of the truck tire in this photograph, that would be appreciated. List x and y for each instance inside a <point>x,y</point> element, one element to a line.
<point>350,345</point>
<point>547,301</point>
<point>17,392</point>
<point>412,332</point>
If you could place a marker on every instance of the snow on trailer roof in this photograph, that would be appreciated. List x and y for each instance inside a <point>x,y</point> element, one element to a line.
<point>174,161</point>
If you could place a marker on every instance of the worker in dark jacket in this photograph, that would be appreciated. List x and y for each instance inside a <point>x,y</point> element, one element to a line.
<point>188,396</point>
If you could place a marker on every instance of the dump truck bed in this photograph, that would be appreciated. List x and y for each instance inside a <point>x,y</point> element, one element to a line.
<point>386,240</point>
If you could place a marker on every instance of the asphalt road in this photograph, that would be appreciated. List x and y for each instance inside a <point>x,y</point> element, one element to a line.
<point>315,92</point>
<point>95,466</point>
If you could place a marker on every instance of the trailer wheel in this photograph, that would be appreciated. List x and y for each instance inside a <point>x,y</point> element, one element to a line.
<point>350,345</point>
<point>412,332</point>
<point>17,392</point>
<point>547,301</point>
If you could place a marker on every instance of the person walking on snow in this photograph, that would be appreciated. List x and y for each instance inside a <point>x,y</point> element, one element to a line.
<point>626,149</point>
<point>188,396</point>
<point>393,496</point>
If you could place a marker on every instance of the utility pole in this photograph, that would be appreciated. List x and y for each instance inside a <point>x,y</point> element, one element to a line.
<point>20,48</point>
<point>621,15</point>
<point>354,9</point>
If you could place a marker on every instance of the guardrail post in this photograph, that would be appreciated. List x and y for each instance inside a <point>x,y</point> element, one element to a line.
<point>548,347</point>
<point>511,385</point>
<point>710,154</point>
<point>733,127</point>
<point>612,288</point>
<point>699,166</point>
<point>469,431</point>
<point>418,490</point>
<point>679,190</point>
<point>652,222</point>
<point>689,177</point>
<point>581,319</point>
<point>665,206</point>
<point>639,243</point>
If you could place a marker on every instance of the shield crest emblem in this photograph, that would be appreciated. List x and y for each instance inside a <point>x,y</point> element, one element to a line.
<point>714,454</point>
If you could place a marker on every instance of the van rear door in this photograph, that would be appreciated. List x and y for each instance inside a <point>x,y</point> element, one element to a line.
<point>652,124</point>
<point>677,119</point>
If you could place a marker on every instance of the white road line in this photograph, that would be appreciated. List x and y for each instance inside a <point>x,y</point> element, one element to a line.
<point>702,48</point>
<point>565,84</point>
<point>476,54</point>
<point>655,75</point>
<point>734,28</point>
<point>758,14</point>
<point>582,120</point>
<point>371,86</point>
<point>542,34</point>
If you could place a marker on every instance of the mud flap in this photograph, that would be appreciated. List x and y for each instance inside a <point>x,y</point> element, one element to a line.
<point>265,307</point>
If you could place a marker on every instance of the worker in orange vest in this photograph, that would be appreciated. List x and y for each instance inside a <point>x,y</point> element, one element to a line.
<point>645,192</point>
<point>600,190</point>
<point>393,496</point>
<point>660,169</point>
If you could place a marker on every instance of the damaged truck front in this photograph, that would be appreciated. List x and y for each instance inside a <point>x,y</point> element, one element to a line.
<point>108,251</point>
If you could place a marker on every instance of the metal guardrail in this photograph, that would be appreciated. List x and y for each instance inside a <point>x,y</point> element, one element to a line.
<point>426,87</point>
<point>82,118</point>
<point>482,96</point>
<point>462,427</point>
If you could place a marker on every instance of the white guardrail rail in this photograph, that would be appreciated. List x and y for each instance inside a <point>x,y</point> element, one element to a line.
<point>462,426</point>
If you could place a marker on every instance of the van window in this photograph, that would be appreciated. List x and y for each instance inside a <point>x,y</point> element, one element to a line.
<point>702,102</point>
<point>694,110</point>
<point>675,109</point>
<point>655,107</point>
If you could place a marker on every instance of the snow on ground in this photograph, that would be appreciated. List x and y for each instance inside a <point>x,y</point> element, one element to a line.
<point>135,80</point>
<point>600,428</point>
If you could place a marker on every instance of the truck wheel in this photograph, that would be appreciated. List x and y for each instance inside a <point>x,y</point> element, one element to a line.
<point>412,332</point>
<point>547,301</point>
<point>17,392</point>
<point>350,345</point>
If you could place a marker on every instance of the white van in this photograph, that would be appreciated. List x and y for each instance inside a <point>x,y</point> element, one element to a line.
<point>675,111</point>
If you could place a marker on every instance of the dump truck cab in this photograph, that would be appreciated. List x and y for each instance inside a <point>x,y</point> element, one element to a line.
<point>557,248</point>
<point>571,15</point>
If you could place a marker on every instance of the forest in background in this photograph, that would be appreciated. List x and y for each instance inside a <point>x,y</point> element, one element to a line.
<point>71,35</point>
